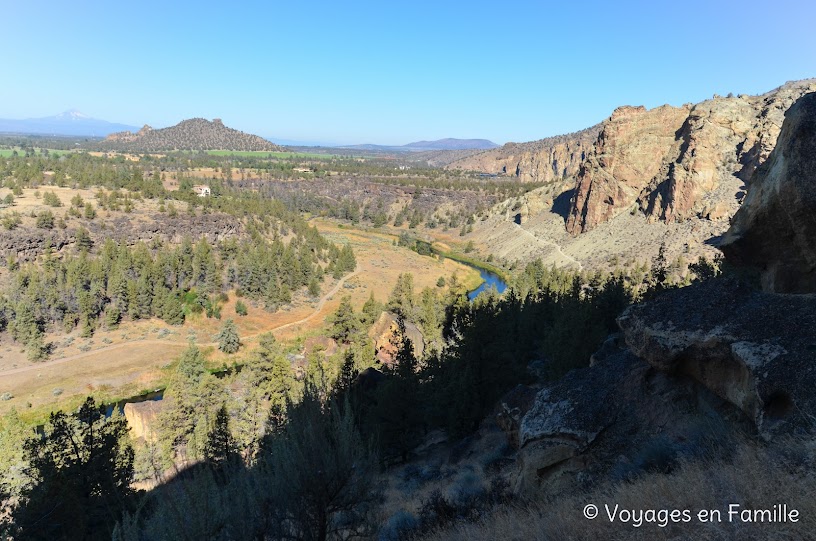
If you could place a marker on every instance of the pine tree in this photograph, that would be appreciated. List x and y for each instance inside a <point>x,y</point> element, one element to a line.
<point>227,338</point>
<point>82,470</point>
<point>398,410</point>
<point>401,300</point>
<point>221,447</point>
<point>173,310</point>
<point>344,322</point>
<point>371,310</point>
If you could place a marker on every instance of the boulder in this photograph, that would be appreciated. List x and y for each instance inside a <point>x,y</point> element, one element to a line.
<point>605,418</point>
<point>775,230</point>
<point>141,418</point>
<point>751,348</point>
<point>383,333</point>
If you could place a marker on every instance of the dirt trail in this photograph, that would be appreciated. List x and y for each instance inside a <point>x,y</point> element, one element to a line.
<point>321,303</point>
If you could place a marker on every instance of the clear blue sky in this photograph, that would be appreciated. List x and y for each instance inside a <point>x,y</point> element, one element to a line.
<point>393,72</point>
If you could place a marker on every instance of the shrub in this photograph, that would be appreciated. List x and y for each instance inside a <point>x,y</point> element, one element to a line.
<point>51,199</point>
<point>45,220</point>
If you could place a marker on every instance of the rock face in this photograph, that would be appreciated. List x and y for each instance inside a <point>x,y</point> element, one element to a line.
<point>607,420</point>
<point>383,332</point>
<point>546,160</point>
<point>712,360</point>
<point>141,418</point>
<point>631,150</point>
<point>677,163</point>
<point>669,163</point>
<point>753,349</point>
<point>192,134</point>
<point>775,230</point>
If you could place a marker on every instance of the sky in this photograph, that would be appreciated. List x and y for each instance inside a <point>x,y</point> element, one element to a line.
<point>392,72</point>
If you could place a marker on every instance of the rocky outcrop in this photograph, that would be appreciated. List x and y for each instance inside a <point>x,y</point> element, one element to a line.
<point>675,164</point>
<point>192,134</point>
<point>775,230</point>
<point>141,418</point>
<point>608,420</point>
<point>751,348</point>
<point>24,244</point>
<point>384,332</point>
<point>547,160</point>
<point>699,364</point>
<point>632,148</point>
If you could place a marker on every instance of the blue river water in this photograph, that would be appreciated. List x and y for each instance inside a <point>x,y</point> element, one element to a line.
<point>490,280</point>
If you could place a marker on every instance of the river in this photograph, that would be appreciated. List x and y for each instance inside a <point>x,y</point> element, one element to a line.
<point>489,280</point>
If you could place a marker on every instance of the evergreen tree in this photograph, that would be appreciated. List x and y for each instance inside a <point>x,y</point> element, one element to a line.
<point>401,301</point>
<point>221,447</point>
<point>227,338</point>
<point>398,411</point>
<point>371,311</point>
<point>173,310</point>
<point>82,469</point>
<point>345,324</point>
<point>319,479</point>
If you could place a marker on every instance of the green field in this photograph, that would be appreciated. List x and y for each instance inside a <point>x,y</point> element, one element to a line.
<point>6,152</point>
<point>264,154</point>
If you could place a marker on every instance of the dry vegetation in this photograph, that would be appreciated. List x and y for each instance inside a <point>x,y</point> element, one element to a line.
<point>137,355</point>
<point>756,478</point>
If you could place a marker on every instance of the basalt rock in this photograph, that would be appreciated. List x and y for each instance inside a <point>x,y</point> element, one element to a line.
<point>631,150</point>
<point>607,419</point>
<point>142,417</point>
<point>775,230</point>
<point>384,332</point>
<point>751,348</point>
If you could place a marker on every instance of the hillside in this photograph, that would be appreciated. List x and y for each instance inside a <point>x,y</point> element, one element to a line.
<point>192,134</point>
<point>448,144</point>
<point>545,160</point>
<point>669,163</point>
<point>671,176</point>
<point>68,123</point>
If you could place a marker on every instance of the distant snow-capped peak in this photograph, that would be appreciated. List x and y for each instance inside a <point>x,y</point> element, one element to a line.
<point>73,114</point>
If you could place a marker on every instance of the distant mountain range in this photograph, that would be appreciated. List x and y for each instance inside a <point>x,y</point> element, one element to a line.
<point>70,123</point>
<point>192,134</point>
<point>439,144</point>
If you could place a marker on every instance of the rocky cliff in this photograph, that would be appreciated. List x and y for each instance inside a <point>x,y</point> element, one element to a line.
<point>632,148</point>
<point>718,361</point>
<point>546,160</point>
<point>775,230</point>
<point>675,164</point>
<point>192,134</point>
<point>668,163</point>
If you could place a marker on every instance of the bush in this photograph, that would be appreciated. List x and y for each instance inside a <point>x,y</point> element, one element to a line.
<point>241,308</point>
<point>45,220</point>
<point>51,199</point>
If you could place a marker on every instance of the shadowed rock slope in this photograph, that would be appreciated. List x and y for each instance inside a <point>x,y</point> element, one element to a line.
<point>700,366</point>
<point>775,229</point>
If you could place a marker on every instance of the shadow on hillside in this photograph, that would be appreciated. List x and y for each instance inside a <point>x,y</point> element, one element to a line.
<point>714,241</point>
<point>561,204</point>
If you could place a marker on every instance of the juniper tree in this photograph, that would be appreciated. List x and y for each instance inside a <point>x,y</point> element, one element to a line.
<point>227,338</point>
<point>344,322</point>
<point>82,469</point>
